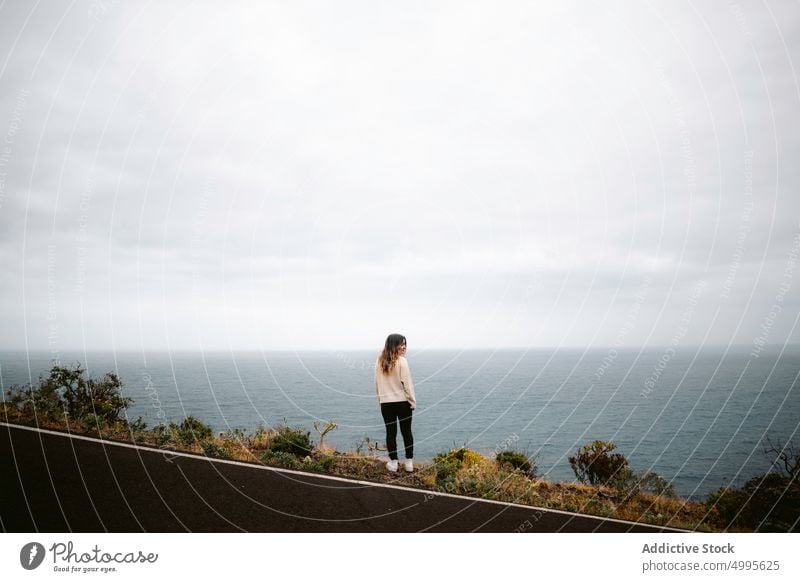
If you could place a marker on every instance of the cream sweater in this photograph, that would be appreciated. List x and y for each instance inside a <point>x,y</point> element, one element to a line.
<point>396,386</point>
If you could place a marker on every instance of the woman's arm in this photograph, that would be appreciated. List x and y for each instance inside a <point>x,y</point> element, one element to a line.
<point>408,384</point>
<point>377,369</point>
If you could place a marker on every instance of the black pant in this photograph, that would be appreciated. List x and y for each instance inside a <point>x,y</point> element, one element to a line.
<point>391,411</point>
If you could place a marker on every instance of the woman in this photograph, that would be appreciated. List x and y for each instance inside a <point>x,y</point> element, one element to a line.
<point>395,392</point>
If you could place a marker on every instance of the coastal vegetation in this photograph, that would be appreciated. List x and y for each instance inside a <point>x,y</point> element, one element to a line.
<point>769,502</point>
<point>67,399</point>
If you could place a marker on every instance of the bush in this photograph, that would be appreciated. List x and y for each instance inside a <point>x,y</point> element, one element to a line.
<point>463,456</point>
<point>238,435</point>
<point>138,425</point>
<point>161,434</point>
<point>212,449</point>
<point>69,391</point>
<point>517,461</point>
<point>191,430</point>
<point>322,465</point>
<point>651,482</point>
<point>447,465</point>
<point>631,483</point>
<point>594,465</point>
<point>280,458</point>
<point>291,440</point>
<point>446,470</point>
<point>769,503</point>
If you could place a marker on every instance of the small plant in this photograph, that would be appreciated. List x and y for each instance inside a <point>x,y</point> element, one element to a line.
<point>260,438</point>
<point>234,434</point>
<point>281,458</point>
<point>374,447</point>
<point>138,425</point>
<point>291,440</point>
<point>446,470</point>
<point>161,434</point>
<point>594,464</point>
<point>652,482</point>
<point>462,455</point>
<point>191,430</point>
<point>630,484</point>
<point>329,426</point>
<point>138,430</point>
<point>786,457</point>
<point>517,461</point>
<point>323,464</point>
<point>212,449</point>
<point>448,465</point>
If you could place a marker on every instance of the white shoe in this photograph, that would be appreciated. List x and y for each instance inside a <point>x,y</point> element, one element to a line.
<point>392,466</point>
<point>409,465</point>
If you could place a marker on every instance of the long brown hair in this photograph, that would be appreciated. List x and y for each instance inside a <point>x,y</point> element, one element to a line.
<point>390,351</point>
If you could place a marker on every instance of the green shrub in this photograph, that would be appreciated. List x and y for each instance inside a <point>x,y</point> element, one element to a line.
<point>517,461</point>
<point>446,470</point>
<point>630,483</point>
<point>191,430</point>
<point>769,503</point>
<point>447,465</point>
<point>651,482</point>
<point>323,464</point>
<point>280,458</point>
<point>212,449</point>
<point>291,440</point>
<point>235,434</point>
<point>594,464</point>
<point>138,425</point>
<point>67,390</point>
<point>464,456</point>
<point>162,435</point>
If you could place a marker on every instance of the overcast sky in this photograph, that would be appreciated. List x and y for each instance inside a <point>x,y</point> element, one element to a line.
<point>473,175</point>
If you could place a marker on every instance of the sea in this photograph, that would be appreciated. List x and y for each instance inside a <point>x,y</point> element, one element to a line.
<point>700,417</point>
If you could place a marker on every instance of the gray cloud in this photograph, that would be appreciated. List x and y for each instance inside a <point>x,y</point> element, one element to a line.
<point>311,174</point>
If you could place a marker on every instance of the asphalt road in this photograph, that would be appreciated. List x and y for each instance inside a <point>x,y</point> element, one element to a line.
<point>52,482</point>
